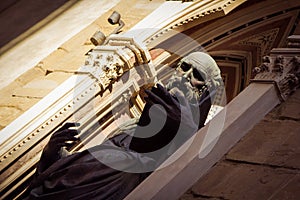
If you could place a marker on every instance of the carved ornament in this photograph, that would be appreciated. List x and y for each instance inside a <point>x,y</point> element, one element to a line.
<point>282,68</point>
<point>263,41</point>
<point>108,62</point>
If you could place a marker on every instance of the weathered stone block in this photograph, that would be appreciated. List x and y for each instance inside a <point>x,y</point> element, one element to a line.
<point>40,87</point>
<point>270,142</point>
<point>242,181</point>
<point>291,108</point>
<point>7,114</point>
<point>289,190</point>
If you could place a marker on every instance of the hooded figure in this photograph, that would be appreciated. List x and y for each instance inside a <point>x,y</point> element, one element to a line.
<point>192,89</point>
<point>114,168</point>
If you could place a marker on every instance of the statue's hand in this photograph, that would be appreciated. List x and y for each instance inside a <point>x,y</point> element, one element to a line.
<point>177,107</point>
<point>165,120</point>
<point>64,137</point>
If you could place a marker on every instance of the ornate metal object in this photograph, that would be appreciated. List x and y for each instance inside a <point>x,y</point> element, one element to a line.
<point>115,18</point>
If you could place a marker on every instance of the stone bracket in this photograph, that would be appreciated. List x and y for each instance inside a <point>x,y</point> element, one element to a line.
<point>118,54</point>
<point>282,68</point>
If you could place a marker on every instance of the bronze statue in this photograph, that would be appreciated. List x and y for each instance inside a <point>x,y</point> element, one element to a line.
<point>114,168</point>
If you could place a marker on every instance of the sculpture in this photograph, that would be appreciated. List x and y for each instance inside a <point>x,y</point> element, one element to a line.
<point>115,167</point>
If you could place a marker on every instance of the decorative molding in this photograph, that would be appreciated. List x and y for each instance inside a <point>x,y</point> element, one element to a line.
<point>294,41</point>
<point>198,12</point>
<point>110,61</point>
<point>281,69</point>
<point>262,41</point>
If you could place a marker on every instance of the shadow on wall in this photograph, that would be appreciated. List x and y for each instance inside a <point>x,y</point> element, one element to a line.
<point>17,16</point>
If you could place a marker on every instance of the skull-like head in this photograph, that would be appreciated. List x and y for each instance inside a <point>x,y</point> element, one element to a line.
<point>195,74</point>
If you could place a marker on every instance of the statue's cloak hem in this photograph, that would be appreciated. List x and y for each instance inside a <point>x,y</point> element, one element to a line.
<point>83,175</point>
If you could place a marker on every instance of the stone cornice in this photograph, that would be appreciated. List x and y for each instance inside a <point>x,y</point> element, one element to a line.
<point>204,11</point>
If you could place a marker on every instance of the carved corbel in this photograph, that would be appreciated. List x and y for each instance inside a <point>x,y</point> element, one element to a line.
<point>108,62</point>
<point>264,67</point>
<point>280,69</point>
